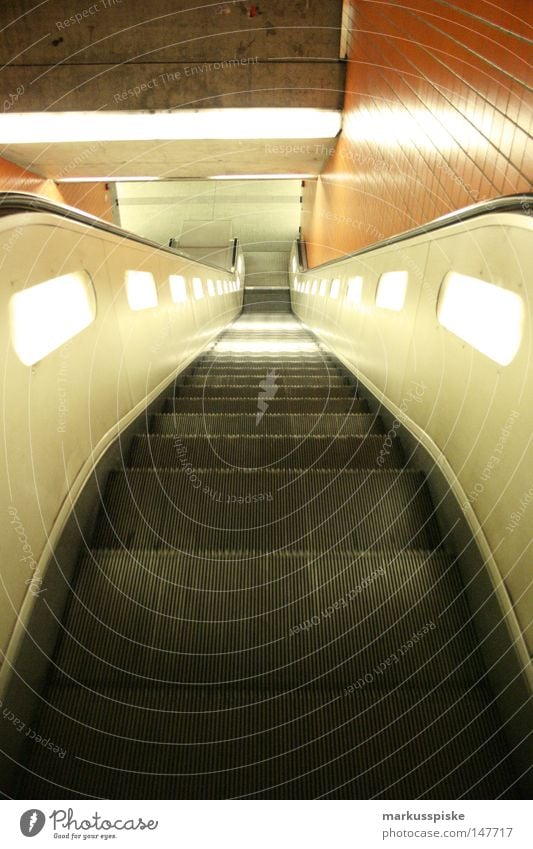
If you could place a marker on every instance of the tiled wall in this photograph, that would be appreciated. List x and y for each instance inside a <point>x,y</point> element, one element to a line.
<point>437,116</point>
<point>89,197</point>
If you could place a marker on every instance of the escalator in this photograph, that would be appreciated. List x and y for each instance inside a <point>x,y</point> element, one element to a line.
<point>266,609</point>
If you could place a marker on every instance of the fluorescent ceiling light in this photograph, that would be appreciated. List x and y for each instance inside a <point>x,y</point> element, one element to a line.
<point>486,316</point>
<point>301,175</point>
<point>323,287</point>
<point>111,179</point>
<point>141,290</point>
<point>392,288</point>
<point>45,316</point>
<point>182,124</point>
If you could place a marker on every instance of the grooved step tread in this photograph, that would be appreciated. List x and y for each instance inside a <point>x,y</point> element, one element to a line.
<point>231,381</point>
<point>258,451</point>
<point>300,424</point>
<point>229,390</point>
<point>208,404</point>
<point>220,743</point>
<point>243,370</point>
<point>165,618</point>
<point>267,509</point>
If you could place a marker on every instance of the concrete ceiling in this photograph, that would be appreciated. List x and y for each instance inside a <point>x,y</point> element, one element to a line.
<point>172,159</point>
<point>170,54</point>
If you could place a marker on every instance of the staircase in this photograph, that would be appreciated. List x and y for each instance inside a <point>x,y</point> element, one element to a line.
<point>266,609</point>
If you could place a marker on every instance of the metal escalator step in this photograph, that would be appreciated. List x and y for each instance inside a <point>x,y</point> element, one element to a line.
<point>267,509</point>
<point>153,617</point>
<point>281,387</point>
<point>252,372</point>
<point>301,424</point>
<point>278,405</point>
<point>323,382</point>
<point>292,452</point>
<point>219,743</point>
<point>261,359</point>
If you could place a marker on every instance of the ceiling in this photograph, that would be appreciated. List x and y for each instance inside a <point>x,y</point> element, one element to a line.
<point>172,159</point>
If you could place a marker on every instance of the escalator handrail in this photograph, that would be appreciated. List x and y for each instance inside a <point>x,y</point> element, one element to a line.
<point>518,203</point>
<point>12,203</point>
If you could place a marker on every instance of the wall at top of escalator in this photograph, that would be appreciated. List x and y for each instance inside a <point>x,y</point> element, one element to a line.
<point>89,197</point>
<point>437,116</point>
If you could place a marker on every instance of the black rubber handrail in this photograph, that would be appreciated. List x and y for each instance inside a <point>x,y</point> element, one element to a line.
<point>16,202</point>
<point>518,203</point>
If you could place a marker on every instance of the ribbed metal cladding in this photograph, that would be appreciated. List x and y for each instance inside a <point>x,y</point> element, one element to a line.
<point>266,609</point>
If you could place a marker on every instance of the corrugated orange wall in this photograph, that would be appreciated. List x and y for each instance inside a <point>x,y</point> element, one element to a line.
<point>437,116</point>
<point>89,197</point>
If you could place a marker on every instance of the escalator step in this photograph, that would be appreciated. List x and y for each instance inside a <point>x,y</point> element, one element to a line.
<point>280,405</point>
<point>220,743</point>
<point>301,424</point>
<point>149,617</point>
<point>281,388</point>
<point>241,380</point>
<point>268,510</point>
<point>292,452</point>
